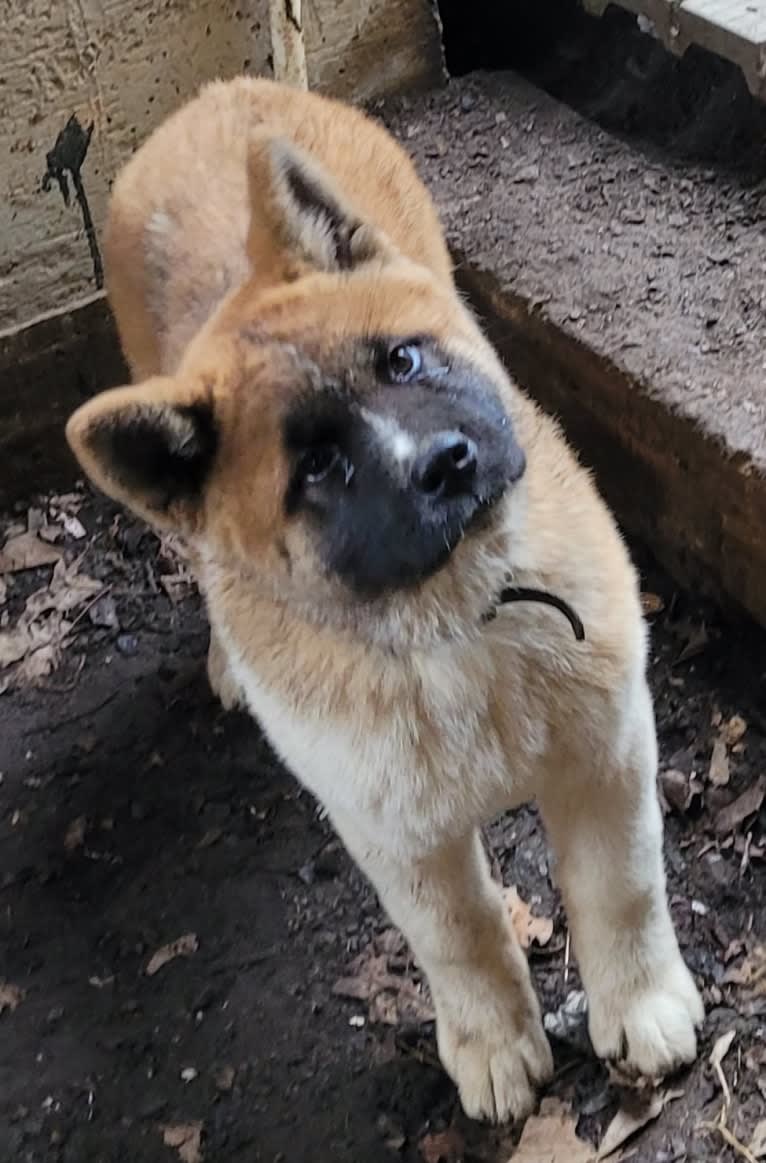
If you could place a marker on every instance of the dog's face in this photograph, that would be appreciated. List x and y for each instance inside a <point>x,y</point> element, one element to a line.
<point>340,440</point>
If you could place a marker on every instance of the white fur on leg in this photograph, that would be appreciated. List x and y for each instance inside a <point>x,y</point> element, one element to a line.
<point>223,682</point>
<point>606,829</point>
<point>489,1029</point>
<point>499,1055</point>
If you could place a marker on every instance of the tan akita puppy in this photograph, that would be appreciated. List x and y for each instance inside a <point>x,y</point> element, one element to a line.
<point>366,494</point>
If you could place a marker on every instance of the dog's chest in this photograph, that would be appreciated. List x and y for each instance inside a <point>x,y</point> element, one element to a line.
<point>435,761</point>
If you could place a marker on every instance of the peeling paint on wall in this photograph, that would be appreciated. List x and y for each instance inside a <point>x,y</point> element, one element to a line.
<point>121,65</point>
<point>65,161</point>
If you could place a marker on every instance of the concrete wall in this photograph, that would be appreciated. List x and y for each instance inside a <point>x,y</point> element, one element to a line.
<point>124,65</point>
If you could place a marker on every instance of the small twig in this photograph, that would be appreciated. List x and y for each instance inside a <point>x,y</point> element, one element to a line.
<point>745,855</point>
<point>89,606</point>
<point>65,690</point>
<point>720,1126</point>
<point>725,1088</point>
<point>566,958</point>
<point>72,718</point>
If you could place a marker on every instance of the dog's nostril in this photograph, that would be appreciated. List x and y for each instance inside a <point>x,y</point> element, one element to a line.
<point>446,467</point>
<point>461,454</point>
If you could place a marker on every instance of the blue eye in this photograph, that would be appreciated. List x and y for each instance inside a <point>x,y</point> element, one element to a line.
<point>405,362</point>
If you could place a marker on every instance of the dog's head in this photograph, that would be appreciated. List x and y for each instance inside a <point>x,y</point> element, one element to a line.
<point>338,436</point>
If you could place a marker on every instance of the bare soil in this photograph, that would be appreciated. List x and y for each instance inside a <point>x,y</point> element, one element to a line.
<point>133,811</point>
<point>653,262</point>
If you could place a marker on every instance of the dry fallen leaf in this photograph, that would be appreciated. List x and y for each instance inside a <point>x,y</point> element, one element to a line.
<point>696,643</point>
<point>728,819</point>
<point>751,974</point>
<point>10,996</point>
<point>733,730</point>
<point>186,1138</point>
<point>651,604</point>
<point>442,1146</point>
<point>528,927</point>
<point>182,947</point>
<point>26,551</point>
<point>631,1117</point>
<point>680,790</point>
<point>550,1137</point>
<point>75,834</point>
<point>393,998</point>
<point>36,641</point>
<point>758,1142</point>
<point>70,502</point>
<point>718,773</point>
<point>176,585</point>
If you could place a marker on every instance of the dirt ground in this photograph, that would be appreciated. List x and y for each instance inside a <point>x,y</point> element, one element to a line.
<point>134,812</point>
<point>652,262</point>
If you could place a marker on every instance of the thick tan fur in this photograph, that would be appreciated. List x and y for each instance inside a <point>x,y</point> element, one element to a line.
<point>410,719</point>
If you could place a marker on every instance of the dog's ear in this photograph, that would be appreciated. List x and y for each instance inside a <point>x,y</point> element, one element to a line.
<point>300,221</point>
<point>149,447</point>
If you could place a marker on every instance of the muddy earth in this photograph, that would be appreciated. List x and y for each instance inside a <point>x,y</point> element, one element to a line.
<point>287,1021</point>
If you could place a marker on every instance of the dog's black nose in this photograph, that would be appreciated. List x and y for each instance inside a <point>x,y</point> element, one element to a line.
<point>447,466</point>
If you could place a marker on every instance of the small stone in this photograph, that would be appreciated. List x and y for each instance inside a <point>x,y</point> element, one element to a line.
<point>467,102</point>
<point>127,644</point>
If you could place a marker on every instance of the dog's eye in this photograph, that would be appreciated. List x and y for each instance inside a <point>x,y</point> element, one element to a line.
<point>317,463</point>
<point>404,362</point>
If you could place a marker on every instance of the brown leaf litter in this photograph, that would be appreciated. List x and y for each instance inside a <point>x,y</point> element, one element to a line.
<point>186,1138</point>
<point>730,817</point>
<point>32,649</point>
<point>751,974</point>
<point>442,1146</point>
<point>718,772</point>
<point>679,791</point>
<point>551,1137</point>
<point>721,1124</point>
<point>382,976</point>
<point>178,584</point>
<point>729,739</point>
<point>651,604</point>
<point>757,1145</point>
<point>26,551</point>
<point>11,996</point>
<point>182,947</point>
<point>529,928</point>
<point>636,1111</point>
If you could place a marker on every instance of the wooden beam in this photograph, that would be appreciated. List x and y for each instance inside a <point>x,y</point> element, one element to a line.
<point>288,45</point>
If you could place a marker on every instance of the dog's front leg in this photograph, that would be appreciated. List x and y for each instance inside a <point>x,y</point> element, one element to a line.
<point>489,1030</point>
<point>605,826</point>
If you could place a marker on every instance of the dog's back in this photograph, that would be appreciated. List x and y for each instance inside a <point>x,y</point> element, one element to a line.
<point>177,236</point>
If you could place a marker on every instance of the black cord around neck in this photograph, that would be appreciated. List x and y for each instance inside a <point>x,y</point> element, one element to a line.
<point>523,594</point>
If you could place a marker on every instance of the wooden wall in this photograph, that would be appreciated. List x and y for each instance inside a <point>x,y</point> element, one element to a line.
<point>122,66</point>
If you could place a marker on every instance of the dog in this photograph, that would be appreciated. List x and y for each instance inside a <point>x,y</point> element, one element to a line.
<point>411,581</point>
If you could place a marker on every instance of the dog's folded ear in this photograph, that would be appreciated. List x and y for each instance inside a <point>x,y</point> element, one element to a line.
<point>301,221</point>
<point>148,448</point>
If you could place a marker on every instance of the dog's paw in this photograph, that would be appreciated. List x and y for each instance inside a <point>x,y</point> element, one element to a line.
<point>498,1068</point>
<point>650,1032</point>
